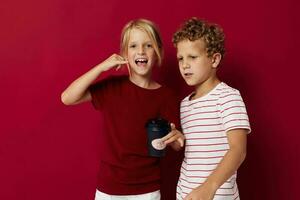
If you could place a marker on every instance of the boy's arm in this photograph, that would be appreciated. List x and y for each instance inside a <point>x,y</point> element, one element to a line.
<point>234,157</point>
<point>175,138</point>
<point>78,91</point>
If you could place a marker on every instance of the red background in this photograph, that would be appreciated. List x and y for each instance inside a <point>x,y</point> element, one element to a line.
<point>49,151</point>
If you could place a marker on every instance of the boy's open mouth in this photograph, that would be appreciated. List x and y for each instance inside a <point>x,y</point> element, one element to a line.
<point>188,74</point>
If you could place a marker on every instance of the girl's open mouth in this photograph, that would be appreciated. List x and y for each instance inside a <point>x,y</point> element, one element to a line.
<point>141,61</point>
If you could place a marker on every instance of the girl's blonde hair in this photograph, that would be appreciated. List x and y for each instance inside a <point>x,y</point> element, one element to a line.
<point>148,27</point>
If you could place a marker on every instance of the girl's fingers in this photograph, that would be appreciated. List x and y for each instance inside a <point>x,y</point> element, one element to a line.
<point>121,63</point>
<point>118,67</point>
<point>122,60</point>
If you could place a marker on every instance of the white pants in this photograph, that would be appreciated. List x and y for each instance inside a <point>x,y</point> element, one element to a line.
<point>148,196</point>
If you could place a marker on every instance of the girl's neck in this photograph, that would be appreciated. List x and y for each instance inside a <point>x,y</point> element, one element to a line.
<point>144,82</point>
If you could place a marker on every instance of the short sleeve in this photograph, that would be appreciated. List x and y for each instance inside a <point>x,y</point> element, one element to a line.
<point>233,111</point>
<point>100,91</point>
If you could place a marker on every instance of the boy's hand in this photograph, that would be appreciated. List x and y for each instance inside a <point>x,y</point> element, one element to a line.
<point>114,60</point>
<point>203,192</point>
<point>175,138</point>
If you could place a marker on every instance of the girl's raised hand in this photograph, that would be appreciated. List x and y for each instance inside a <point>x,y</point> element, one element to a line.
<point>114,60</point>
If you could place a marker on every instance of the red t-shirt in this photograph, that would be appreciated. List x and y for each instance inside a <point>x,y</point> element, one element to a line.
<point>125,167</point>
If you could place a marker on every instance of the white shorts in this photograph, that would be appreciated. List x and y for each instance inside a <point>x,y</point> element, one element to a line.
<point>148,196</point>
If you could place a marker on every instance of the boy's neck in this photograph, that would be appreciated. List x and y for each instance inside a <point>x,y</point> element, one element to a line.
<point>205,87</point>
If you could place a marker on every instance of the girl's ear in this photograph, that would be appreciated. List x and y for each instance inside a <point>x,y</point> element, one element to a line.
<point>124,56</point>
<point>216,59</point>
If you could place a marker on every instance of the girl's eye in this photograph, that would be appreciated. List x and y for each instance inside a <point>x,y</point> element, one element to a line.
<point>149,45</point>
<point>193,57</point>
<point>179,59</point>
<point>132,46</point>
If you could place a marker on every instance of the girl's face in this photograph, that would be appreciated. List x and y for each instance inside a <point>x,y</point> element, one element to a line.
<point>141,55</point>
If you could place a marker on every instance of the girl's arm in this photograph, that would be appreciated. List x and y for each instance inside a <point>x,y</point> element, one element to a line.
<point>78,91</point>
<point>234,157</point>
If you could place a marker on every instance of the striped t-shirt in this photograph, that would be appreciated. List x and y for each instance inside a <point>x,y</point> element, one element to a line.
<point>204,122</point>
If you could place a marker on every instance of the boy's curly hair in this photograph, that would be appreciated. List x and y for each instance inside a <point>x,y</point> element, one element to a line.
<point>194,29</point>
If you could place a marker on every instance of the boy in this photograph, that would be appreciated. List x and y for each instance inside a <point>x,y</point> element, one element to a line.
<point>213,118</point>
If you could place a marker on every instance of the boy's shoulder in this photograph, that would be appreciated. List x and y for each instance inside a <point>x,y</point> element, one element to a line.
<point>224,89</point>
<point>227,95</point>
<point>221,92</point>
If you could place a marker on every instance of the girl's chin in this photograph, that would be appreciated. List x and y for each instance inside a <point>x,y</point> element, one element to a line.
<point>141,68</point>
<point>141,72</point>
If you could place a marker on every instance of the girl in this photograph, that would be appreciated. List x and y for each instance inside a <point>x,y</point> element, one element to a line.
<point>126,103</point>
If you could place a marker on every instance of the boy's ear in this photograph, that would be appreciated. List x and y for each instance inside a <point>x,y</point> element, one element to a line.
<point>216,59</point>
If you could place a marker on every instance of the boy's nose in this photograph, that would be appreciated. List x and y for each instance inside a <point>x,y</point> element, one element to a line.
<point>186,65</point>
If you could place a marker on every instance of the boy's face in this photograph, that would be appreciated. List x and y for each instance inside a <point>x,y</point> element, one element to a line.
<point>141,55</point>
<point>194,64</point>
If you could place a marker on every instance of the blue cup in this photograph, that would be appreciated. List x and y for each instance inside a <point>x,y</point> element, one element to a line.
<point>156,129</point>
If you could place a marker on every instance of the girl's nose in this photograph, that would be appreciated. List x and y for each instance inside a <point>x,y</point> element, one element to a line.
<point>141,50</point>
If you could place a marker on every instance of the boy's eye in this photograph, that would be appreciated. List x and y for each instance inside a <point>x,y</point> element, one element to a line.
<point>179,59</point>
<point>193,57</point>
